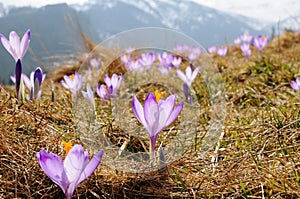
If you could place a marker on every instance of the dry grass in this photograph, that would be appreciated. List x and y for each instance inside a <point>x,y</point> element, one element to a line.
<point>257,157</point>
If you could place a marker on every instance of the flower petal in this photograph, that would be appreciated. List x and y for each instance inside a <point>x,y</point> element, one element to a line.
<point>165,110</point>
<point>174,113</point>
<point>151,114</point>
<point>75,163</point>
<point>24,43</point>
<point>92,165</point>
<point>138,111</point>
<point>53,167</point>
<point>182,76</point>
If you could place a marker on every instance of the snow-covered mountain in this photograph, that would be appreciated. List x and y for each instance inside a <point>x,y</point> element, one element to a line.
<point>56,29</point>
<point>206,25</point>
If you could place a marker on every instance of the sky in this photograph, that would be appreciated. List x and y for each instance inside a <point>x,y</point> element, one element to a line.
<point>266,10</point>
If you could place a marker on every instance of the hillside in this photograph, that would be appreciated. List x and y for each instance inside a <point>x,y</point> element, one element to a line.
<point>257,155</point>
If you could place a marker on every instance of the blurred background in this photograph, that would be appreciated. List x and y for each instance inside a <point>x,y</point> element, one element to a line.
<point>58,26</point>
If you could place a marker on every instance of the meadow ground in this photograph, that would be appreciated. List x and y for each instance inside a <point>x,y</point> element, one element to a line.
<point>258,155</point>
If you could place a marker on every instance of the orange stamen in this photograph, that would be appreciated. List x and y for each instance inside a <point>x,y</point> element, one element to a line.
<point>158,95</point>
<point>67,145</point>
<point>72,76</point>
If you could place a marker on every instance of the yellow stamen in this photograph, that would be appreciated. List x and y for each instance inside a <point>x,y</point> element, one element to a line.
<point>158,95</point>
<point>263,37</point>
<point>67,145</point>
<point>72,76</point>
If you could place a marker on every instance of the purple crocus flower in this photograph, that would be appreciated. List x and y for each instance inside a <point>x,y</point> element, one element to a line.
<point>165,59</point>
<point>102,92</point>
<point>34,82</point>
<point>148,59</point>
<point>176,61</point>
<point>212,49</point>
<point>134,65</point>
<point>296,84</point>
<point>246,38</point>
<point>110,88</point>
<point>73,83</point>
<point>222,51</point>
<point>95,62</point>
<point>113,84</point>
<point>245,47</point>
<point>14,46</point>
<point>155,116</point>
<point>237,41</point>
<point>89,95</point>
<point>194,53</point>
<point>68,174</point>
<point>189,75</point>
<point>260,42</point>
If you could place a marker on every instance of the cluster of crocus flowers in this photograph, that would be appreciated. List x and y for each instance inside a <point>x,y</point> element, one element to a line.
<point>73,83</point>
<point>155,115</point>
<point>110,88</point>
<point>17,49</point>
<point>296,84</point>
<point>260,42</point>
<point>192,52</point>
<point>68,174</point>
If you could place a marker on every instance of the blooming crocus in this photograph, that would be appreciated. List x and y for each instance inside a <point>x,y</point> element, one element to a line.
<point>237,41</point>
<point>95,62</point>
<point>194,53</point>
<point>189,75</point>
<point>222,51</point>
<point>155,115</point>
<point>165,59</point>
<point>89,95</point>
<point>14,46</point>
<point>148,59</point>
<point>260,42</point>
<point>33,83</point>
<point>176,61</point>
<point>212,49</point>
<point>246,38</point>
<point>245,47</point>
<point>102,92</point>
<point>134,65</point>
<point>73,83</point>
<point>296,84</point>
<point>113,84</point>
<point>68,174</point>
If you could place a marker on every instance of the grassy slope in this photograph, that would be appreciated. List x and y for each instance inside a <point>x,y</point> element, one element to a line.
<point>258,155</point>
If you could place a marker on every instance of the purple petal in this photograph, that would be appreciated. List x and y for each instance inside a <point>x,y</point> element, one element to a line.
<point>138,111</point>
<point>7,46</point>
<point>151,113</point>
<point>165,110</point>
<point>14,41</point>
<point>107,80</point>
<point>24,43</point>
<point>174,113</point>
<point>182,76</point>
<point>26,81</point>
<point>38,74</point>
<point>92,165</point>
<point>53,167</point>
<point>75,163</point>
